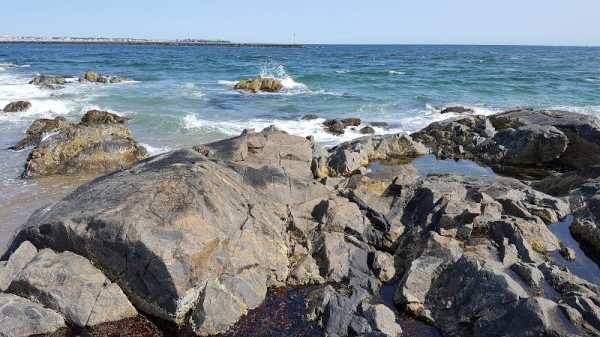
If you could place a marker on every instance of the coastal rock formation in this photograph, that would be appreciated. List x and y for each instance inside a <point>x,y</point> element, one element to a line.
<point>456,109</point>
<point>521,138</point>
<point>49,82</point>
<point>345,159</point>
<point>70,285</point>
<point>60,146</point>
<point>196,237</point>
<point>94,77</point>
<point>338,127</point>
<point>255,85</point>
<point>22,317</point>
<point>17,106</point>
<point>94,117</point>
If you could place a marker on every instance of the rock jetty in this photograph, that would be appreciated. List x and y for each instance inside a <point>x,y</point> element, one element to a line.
<point>196,237</point>
<point>96,145</point>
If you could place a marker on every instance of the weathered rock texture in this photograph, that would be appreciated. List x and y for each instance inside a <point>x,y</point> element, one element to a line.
<point>259,84</point>
<point>21,317</point>
<point>49,82</point>
<point>94,146</point>
<point>70,285</point>
<point>17,106</point>
<point>196,237</point>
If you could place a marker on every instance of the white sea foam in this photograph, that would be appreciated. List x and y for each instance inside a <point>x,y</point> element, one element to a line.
<point>593,110</point>
<point>154,150</point>
<point>281,74</point>
<point>227,83</point>
<point>394,72</point>
<point>591,80</point>
<point>296,127</point>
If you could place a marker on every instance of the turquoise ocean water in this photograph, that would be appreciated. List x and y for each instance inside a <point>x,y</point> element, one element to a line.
<point>181,96</point>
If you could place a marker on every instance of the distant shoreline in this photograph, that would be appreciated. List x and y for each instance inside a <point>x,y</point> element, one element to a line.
<point>162,43</point>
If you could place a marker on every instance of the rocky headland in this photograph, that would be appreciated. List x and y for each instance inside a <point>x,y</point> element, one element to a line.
<point>195,239</point>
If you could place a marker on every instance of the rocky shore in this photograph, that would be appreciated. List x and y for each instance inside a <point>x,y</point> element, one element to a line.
<point>195,239</point>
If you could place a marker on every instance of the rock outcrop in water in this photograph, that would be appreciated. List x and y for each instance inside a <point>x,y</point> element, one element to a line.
<point>519,138</point>
<point>255,85</point>
<point>49,82</point>
<point>196,237</point>
<point>94,77</point>
<point>95,145</point>
<point>17,106</point>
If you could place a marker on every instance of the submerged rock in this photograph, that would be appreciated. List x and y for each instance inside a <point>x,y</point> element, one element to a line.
<point>259,84</point>
<point>17,106</point>
<point>456,109</point>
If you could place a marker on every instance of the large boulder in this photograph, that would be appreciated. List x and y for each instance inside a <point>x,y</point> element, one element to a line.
<point>17,106</point>
<point>182,233</point>
<point>255,85</point>
<point>63,147</point>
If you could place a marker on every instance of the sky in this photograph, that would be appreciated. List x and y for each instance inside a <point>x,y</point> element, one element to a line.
<point>521,22</point>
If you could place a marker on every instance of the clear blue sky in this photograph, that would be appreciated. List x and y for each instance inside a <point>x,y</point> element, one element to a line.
<point>545,22</point>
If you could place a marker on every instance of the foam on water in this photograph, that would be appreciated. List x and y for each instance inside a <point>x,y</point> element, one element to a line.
<point>154,150</point>
<point>281,74</point>
<point>298,127</point>
<point>593,110</point>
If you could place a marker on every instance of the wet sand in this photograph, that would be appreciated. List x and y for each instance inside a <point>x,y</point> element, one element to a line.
<point>33,193</point>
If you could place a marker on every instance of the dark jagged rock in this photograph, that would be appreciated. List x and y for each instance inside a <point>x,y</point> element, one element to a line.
<point>309,117</point>
<point>518,138</point>
<point>255,85</point>
<point>335,126</point>
<point>379,124</point>
<point>367,130</point>
<point>63,147</point>
<point>351,122</point>
<point>456,109</point>
<point>17,106</point>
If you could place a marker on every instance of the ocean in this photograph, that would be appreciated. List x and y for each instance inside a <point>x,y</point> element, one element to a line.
<point>183,96</point>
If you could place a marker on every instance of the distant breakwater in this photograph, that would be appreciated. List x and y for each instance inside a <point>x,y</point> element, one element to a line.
<point>164,43</point>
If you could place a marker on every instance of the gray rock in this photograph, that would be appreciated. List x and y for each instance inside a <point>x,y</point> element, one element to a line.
<point>69,284</point>
<point>21,317</point>
<point>382,319</point>
<point>16,262</point>
<point>219,310</point>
